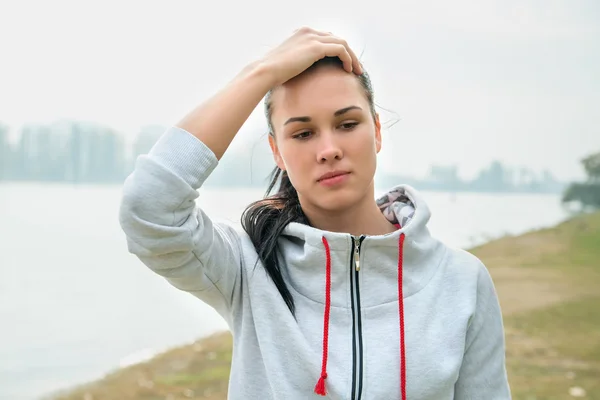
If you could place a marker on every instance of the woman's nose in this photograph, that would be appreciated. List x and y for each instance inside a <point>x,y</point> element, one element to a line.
<point>329,150</point>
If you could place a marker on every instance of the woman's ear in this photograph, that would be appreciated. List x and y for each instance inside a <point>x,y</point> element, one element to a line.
<point>276,154</point>
<point>377,133</point>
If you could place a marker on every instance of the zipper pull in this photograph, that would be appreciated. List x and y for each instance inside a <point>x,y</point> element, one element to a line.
<point>357,255</point>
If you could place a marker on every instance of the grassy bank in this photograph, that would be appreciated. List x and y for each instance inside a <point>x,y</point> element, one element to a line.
<point>549,287</point>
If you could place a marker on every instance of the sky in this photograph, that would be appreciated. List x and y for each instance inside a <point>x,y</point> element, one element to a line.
<point>466,82</point>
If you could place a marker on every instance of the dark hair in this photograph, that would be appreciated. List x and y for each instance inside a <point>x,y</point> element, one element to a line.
<point>264,220</point>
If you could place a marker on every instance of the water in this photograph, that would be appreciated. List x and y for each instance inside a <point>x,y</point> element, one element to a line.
<point>75,304</point>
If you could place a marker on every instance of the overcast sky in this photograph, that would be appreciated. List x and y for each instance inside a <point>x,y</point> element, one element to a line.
<point>469,81</point>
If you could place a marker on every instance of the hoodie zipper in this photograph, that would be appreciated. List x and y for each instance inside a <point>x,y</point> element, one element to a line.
<point>357,345</point>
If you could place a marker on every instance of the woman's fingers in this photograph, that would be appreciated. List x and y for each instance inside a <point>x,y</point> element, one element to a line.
<point>355,63</point>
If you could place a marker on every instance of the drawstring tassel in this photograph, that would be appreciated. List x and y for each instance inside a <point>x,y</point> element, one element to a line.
<point>320,387</point>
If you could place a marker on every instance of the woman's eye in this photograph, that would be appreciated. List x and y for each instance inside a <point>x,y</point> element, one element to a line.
<point>348,125</point>
<point>302,135</point>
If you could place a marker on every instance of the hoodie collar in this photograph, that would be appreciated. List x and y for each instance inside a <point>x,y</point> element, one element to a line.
<point>402,205</point>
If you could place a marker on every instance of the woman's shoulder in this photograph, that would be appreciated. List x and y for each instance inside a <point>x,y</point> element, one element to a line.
<point>466,266</point>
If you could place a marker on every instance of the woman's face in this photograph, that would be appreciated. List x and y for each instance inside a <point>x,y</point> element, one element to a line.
<point>326,138</point>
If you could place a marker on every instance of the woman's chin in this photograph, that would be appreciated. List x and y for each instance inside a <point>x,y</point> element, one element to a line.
<point>339,201</point>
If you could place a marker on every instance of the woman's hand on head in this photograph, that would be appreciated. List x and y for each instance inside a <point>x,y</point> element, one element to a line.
<point>303,48</point>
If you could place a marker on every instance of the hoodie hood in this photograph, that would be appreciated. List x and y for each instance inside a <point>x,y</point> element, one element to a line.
<point>402,206</point>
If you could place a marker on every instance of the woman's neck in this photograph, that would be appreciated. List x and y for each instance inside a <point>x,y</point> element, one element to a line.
<point>364,218</point>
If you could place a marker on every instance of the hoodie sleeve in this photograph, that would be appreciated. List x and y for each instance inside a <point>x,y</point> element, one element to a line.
<point>168,232</point>
<point>483,371</point>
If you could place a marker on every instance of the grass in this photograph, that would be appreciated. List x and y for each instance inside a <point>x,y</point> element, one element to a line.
<point>548,282</point>
<point>199,370</point>
<point>552,349</point>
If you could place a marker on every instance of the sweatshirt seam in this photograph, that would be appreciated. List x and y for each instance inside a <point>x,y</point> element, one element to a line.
<point>203,270</point>
<point>173,215</point>
<point>226,230</point>
<point>316,301</point>
<point>437,269</point>
<point>202,265</point>
<point>478,307</point>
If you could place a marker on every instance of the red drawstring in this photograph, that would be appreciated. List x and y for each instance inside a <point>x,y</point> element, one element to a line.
<point>320,387</point>
<point>401,315</point>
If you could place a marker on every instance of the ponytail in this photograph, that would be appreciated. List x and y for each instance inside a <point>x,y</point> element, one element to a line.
<point>264,221</point>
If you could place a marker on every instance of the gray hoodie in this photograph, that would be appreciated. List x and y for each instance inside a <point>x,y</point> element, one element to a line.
<point>396,316</point>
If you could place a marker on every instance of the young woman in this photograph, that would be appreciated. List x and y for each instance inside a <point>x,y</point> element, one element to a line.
<point>327,291</point>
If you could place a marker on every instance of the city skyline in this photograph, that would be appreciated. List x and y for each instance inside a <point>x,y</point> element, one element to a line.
<point>87,153</point>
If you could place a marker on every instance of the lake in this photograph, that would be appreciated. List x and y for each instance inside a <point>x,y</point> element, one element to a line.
<point>75,304</point>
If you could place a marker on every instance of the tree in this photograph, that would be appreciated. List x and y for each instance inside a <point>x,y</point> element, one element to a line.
<point>587,194</point>
<point>591,164</point>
